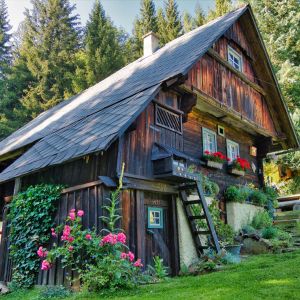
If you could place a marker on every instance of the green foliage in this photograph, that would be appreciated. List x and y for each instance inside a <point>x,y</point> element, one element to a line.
<point>113,209</point>
<point>49,44</point>
<point>111,273</point>
<point>31,217</point>
<point>103,52</point>
<point>233,194</point>
<point>258,197</point>
<point>158,271</point>
<point>53,292</point>
<point>221,8</point>
<point>169,22</point>
<point>269,232</point>
<point>261,220</point>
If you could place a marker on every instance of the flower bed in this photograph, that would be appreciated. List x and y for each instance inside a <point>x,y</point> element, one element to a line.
<point>239,166</point>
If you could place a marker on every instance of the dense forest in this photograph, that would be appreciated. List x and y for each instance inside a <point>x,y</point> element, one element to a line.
<point>52,56</point>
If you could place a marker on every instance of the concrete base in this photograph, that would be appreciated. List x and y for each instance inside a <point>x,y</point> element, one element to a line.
<point>240,214</point>
<point>187,250</point>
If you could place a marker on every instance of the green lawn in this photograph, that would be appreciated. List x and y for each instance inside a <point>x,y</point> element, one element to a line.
<point>261,277</point>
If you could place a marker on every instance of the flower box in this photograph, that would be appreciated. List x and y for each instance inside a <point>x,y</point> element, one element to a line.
<point>235,171</point>
<point>214,164</point>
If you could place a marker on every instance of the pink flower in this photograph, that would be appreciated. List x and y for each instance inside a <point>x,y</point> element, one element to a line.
<point>71,248</point>
<point>138,263</point>
<point>80,213</point>
<point>72,216</point>
<point>53,233</point>
<point>66,233</point>
<point>88,237</point>
<point>41,252</point>
<point>72,210</point>
<point>121,237</point>
<point>130,256</point>
<point>109,239</point>
<point>45,265</point>
<point>123,255</point>
<point>70,239</point>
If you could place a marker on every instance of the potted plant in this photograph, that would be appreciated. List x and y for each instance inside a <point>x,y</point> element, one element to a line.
<point>214,160</point>
<point>239,166</point>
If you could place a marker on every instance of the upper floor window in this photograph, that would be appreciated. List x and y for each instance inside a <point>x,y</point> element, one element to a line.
<point>233,150</point>
<point>235,59</point>
<point>209,140</point>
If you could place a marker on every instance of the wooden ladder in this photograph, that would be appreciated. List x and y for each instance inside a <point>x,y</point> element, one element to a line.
<point>197,211</point>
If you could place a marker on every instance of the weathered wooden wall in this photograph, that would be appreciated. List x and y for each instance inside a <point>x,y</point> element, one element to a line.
<point>217,81</point>
<point>79,171</point>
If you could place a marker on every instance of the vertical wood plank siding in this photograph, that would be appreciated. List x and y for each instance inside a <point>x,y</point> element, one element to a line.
<point>214,79</point>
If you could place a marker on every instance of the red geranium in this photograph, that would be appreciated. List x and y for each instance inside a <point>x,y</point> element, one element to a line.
<point>241,164</point>
<point>215,156</point>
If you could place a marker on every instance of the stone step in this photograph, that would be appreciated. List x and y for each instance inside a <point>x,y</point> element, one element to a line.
<point>293,222</point>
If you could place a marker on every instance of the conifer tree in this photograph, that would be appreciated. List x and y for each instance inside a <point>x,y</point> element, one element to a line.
<point>187,22</point>
<point>162,24</point>
<point>5,48</point>
<point>103,50</point>
<point>48,48</point>
<point>146,22</point>
<point>173,21</point>
<point>221,8</point>
<point>199,18</point>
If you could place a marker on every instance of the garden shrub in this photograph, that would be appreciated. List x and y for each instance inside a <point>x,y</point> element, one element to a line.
<point>258,197</point>
<point>233,194</point>
<point>269,233</point>
<point>31,217</point>
<point>261,220</point>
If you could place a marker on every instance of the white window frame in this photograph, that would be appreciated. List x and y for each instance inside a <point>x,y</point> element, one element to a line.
<point>206,132</point>
<point>236,56</point>
<point>229,152</point>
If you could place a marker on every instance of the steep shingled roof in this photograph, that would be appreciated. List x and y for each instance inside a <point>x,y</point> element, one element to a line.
<point>92,120</point>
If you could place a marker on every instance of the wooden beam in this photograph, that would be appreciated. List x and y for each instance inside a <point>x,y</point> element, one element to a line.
<point>239,74</point>
<point>232,114</point>
<point>17,187</point>
<point>81,186</point>
<point>148,184</point>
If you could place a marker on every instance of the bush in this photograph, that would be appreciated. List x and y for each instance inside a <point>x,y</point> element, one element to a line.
<point>258,197</point>
<point>269,233</point>
<point>261,220</point>
<point>31,217</point>
<point>248,229</point>
<point>233,194</point>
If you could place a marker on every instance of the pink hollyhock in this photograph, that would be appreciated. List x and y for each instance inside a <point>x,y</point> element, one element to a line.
<point>138,263</point>
<point>71,239</point>
<point>66,233</point>
<point>73,210</point>
<point>71,248</point>
<point>53,233</point>
<point>88,237</point>
<point>80,213</point>
<point>123,255</point>
<point>45,265</point>
<point>130,256</point>
<point>72,216</point>
<point>41,252</point>
<point>121,237</point>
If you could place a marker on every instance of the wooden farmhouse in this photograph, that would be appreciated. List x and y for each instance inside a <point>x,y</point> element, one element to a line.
<point>212,89</point>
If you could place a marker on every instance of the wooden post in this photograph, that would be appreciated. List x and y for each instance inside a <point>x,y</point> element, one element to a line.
<point>17,186</point>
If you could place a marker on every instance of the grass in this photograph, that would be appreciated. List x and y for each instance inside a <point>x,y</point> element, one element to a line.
<point>260,277</point>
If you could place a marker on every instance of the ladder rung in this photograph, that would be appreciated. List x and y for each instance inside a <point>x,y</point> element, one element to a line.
<point>192,202</point>
<point>201,217</point>
<point>204,232</point>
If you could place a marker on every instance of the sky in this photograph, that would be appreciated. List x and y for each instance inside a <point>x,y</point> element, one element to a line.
<point>122,12</point>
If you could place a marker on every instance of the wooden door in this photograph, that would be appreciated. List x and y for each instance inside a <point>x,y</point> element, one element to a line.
<point>161,230</point>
